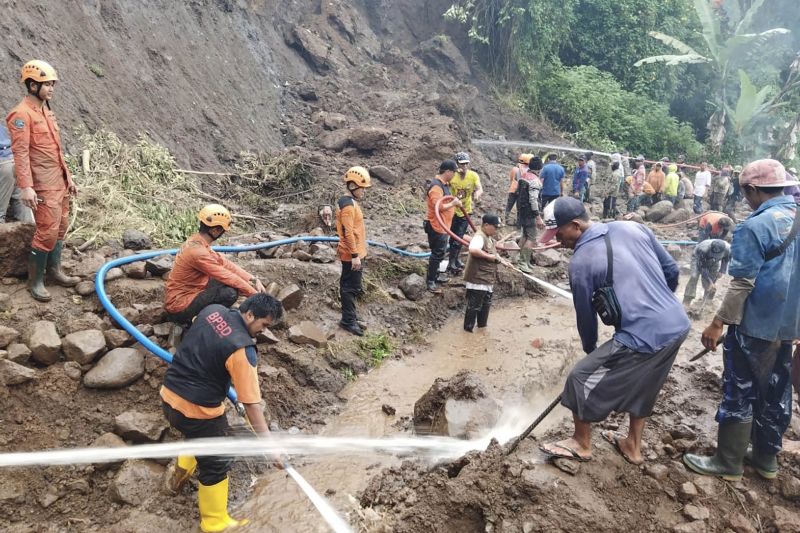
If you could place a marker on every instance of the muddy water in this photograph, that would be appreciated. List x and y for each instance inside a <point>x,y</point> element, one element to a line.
<point>523,377</point>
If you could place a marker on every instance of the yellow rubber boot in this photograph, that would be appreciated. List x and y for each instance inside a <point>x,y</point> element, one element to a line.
<point>179,473</point>
<point>213,503</point>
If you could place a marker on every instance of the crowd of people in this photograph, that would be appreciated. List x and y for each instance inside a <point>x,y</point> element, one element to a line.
<point>761,307</point>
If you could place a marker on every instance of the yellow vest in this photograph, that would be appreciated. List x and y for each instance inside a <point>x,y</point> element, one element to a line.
<point>462,188</point>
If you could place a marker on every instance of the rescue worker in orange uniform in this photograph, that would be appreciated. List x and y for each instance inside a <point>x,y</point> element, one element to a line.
<point>437,234</point>
<point>218,351</point>
<point>352,248</point>
<point>714,226</point>
<point>514,175</point>
<point>43,178</point>
<point>201,276</point>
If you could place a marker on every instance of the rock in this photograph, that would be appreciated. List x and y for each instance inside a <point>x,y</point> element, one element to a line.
<point>324,254</point>
<point>413,286</point>
<point>740,524</point>
<point>396,293</point>
<point>74,323</point>
<point>388,409</point>
<point>13,488</point>
<point>659,211</point>
<point>290,297</point>
<point>85,287</point>
<point>8,336</point>
<point>114,273</point>
<point>145,329</point>
<point>137,481</point>
<point>369,138</point>
<point>5,302</point>
<point>698,526</point>
<point>107,440</point>
<point>675,251</point>
<point>44,342</point>
<point>567,465</point>
<point>116,338</point>
<point>441,54</point>
<point>707,486</point>
<point>134,239</point>
<point>333,121</point>
<point>73,370</point>
<point>301,255</point>
<point>457,407</point>
<point>313,48</point>
<point>12,373</point>
<point>84,346</point>
<point>678,215</point>
<point>158,266</point>
<point>384,174</point>
<point>687,491</point>
<point>49,498</point>
<point>335,141</point>
<point>694,512</point>
<point>15,245</point>
<point>163,329</point>
<point>790,488</point>
<point>18,352</point>
<point>152,313</point>
<point>140,427</point>
<point>786,521</point>
<point>135,270</point>
<point>547,258</point>
<point>657,471</point>
<point>634,217</point>
<point>308,333</point>
<point>266,337</point>
<point>118,368</point>
<point>307,93</point>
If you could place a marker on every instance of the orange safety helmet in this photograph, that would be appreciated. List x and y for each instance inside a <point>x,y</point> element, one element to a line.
<point>38,71</point>
<point>358,176</point>
<point>214,215</point>
<point>525,158</point>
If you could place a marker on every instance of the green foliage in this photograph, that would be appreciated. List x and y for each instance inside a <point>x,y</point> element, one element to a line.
<point>375,347</point>
<point>602,114</point>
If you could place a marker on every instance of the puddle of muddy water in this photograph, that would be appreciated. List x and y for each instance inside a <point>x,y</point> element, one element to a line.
<point>523,377</point>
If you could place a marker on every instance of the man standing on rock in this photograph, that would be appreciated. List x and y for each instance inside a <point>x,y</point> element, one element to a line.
<point>551,176</point>
<point>218,350</point>
<point>514,175</point>
<point>437,235</point>
<point>702,181</point>
<point>762,311</point>
<point>466,186</point>
<point>579,180</point>
<point>201,276</point>
<point>528,219</point>
<point>352,247</point>
<point>720,184</point>
<point>481,273</point>
<point>709,261</point>
<point>43,178</point>
<point>626,373</point>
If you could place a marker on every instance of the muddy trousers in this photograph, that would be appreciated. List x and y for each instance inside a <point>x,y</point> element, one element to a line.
<point>704,272</point>
<point>510,203</point>
<point>757,386</point>
<point>210,469</point>
<point>697,207</point>
<point>437,242</point>
<point>52,219</point>
<point>214,293</point>
<point>610,207</point>
<point>10,203</point>
<point>717,198</point>
<point>478,305</point>
<point>349,289</point>
<point>459,227</point>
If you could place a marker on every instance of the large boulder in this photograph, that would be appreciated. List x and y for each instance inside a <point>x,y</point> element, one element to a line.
<point>678,215</point>
<point>73,323</point>
<point>8,336</point>
<point>308,333</point>
<point>547,258</point>
<point>384,174</point>
<point>137,481</point>
<point>290,297</point>
<point>158,266</point>
<point>322,253</point>
<point>413,286</point>
<point>83,346</point>
<point>15,245</point>
<point>457,407</point>
<point>369,138</point>
<point>43,341</point>
<point>658,211</point>
<point>140,427</point>
<point>134,239</point>
<point>118,368</point>
<point>12,373</point>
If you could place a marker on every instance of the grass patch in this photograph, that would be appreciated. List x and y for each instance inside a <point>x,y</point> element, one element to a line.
<point>280,173</point>
<point>96,69</point>
<point>348,374</point>
<point>374,347</point>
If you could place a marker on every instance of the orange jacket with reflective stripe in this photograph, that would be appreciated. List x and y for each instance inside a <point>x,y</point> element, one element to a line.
<point>351,230</point>
<point>36,144</point>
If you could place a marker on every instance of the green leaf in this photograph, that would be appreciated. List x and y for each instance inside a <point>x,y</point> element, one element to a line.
<point>677,44</point>
<point>710,23</point>
<point>747,19</point>
<point>673,60</point>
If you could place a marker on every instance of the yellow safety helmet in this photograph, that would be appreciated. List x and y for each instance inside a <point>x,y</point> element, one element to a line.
<point>214,215</point>
<point>359,176</point>
<point>525,158</point>
<point>38,71</point>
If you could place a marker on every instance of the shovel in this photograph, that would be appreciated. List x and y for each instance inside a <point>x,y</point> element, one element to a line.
<point>535,423</point>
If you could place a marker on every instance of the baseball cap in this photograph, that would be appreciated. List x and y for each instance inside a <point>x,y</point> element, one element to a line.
<point>462,157</point>
<point>765,173</point>
<point>559,212</point>
<point>491,219</point>
<point>448,164</point>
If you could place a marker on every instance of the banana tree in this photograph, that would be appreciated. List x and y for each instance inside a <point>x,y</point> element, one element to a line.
<point>724,52</point>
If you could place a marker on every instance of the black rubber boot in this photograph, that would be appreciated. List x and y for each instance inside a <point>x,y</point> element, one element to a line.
<point>765,464</point>
<point>452,263</point>
<point>54,268</point>
<point>483,314</point>
<point>352,328</point>
<point>37,264</point>
<point>728,462</point>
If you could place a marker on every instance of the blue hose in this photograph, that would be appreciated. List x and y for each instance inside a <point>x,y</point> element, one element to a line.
<point>156,349</point>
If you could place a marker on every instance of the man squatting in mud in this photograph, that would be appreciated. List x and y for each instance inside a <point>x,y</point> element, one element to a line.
<point>626,373</point>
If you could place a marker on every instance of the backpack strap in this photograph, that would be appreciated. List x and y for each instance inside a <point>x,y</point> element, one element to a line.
<point>772,254</point>
<point>610,259</point>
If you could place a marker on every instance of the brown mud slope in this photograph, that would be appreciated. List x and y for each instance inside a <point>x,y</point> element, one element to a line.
<point>493,492</point>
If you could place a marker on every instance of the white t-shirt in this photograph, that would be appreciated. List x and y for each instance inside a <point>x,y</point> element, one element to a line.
<point>477,244</point>
<point>701,181</point>
<point>591,168</point>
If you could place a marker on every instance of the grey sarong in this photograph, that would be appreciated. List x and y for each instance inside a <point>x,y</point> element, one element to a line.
<point>615,378</point>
